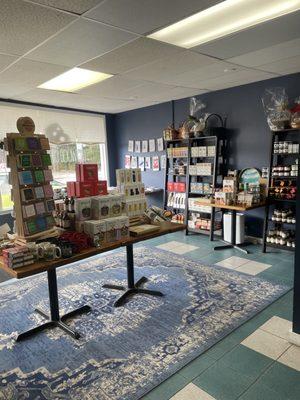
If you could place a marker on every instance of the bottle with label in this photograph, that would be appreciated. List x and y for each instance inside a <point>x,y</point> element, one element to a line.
<point>66,204</point>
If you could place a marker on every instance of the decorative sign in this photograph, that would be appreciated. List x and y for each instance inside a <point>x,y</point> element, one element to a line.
<point>137,146</point>
<point>163,161</point>
<point>145,146</point>
<point>151,145</point>
<point>141,162</point>
<point>147,163</point>
<point>160,144</point>
<point>127,161</point>
<point>155,163</point>
<point>130,146</point>
<point>134,162</point>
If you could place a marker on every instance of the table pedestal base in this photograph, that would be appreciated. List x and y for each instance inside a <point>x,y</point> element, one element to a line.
<point>131,291</point>
<point>132,288</point>
<point>54,320</point>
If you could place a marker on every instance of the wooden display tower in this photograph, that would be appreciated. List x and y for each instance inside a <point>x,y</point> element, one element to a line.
<point>30,177</point>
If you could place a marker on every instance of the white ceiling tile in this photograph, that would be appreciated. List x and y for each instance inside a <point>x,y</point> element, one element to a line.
<point>144,16</point>
<point>116,86</point>
<point>196,78</point>
<point>9,90</point>
<point>24,25</point>
<point>283,67</point>
<point>258,37</point>
<point>82,40</point>
<point>166,69</point>
<point>131,55</point>
<point>237,79</point>
<point>75,6</point>
<point>32,73</point>
<point>6,60</point>
<point>269,54</point>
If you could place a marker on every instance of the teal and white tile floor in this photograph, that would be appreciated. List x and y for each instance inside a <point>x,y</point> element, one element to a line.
<point>256,361</point>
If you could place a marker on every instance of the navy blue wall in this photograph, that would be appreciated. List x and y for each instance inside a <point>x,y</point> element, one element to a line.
<point>245,118</point>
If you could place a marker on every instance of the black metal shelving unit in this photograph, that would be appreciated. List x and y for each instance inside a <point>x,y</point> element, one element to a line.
<point>174,177</point>
<point>283,158</point>
<point>219,166</point>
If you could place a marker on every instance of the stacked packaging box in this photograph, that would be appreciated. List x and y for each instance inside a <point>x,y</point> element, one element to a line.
<point>87,183</point>
<point>129,182</point>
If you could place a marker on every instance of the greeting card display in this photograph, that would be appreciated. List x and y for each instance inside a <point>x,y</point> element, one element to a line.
<point>30,178</point>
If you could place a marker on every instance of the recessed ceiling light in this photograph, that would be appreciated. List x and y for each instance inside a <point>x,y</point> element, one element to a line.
<point>224,18</point>
<point>74,79</point>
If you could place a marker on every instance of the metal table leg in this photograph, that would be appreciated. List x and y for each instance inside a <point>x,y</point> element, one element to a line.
<point>54,320</point>
<point>232,244</point>
<point>132,288</point>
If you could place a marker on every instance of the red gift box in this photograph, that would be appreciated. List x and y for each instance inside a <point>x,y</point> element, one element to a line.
<point>85,189</point>
<point>86,172</point>
<point>101,188</point>
<point>170,186</point>
<point>179,187</point>
<point>71,189</point>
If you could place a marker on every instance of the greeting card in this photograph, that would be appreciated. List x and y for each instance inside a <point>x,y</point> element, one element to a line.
<point>27,194</point>
<point>137,146</point>
<point>24,160</point>
<point>127,161</point>
<point>133,162</point>
<point>151,145</point>
<point>41,223</point>
<point>48,191</point>
<point>130,146</point>
<point>48,175</point>
<point>40,207</point>
<point>145,146</point>
<point>39,176</point>
<point>33,143</point>
<point>46,159</point>
<point>20,144</point>
<point>155,163</point>
<point>163,161</point>
<point>141,162</point>
<point>36,160</point>
<point>50,205</point>
<point>147,163</point>
<point>28,211</point>
<point>50,221</point>
<point>160,144</point>
<point>39,192</point>
<point>44,142</point>
<point>25,178</point>
<point>31,227</point>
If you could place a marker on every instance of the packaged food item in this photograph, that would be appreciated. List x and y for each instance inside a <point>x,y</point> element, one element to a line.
<point>101,207</point>
<point>86,173</point>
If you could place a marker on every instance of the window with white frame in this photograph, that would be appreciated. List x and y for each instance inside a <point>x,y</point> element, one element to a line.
<point>74,137</point>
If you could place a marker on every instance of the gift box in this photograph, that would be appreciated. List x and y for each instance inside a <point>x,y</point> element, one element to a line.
<point>86,173</point>
<point>71,189</point>
<point>84,189</point>
<point>100,188</point>
<point>82,209</point>
<point>179,187</point>
<point>170,186</point>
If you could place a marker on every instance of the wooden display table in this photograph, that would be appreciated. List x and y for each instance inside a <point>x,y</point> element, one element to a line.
<point>234,209</point>
<point>55,320</point>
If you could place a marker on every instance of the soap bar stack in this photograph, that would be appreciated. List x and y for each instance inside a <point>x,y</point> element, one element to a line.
<point>129,182</point>
<point>87,183</point>
<point>17,257</point>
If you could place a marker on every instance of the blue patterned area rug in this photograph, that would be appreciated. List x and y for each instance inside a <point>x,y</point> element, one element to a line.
<point>124,352</point>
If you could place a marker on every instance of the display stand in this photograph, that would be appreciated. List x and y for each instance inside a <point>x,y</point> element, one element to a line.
<point>219,164</point>
<point>174,177</point>
<point>283,159</point>
<point>30,178</point>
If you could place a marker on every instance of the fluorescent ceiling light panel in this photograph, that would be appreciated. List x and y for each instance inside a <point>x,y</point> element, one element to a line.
<point>74,79</point>
<point>223,19</point>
